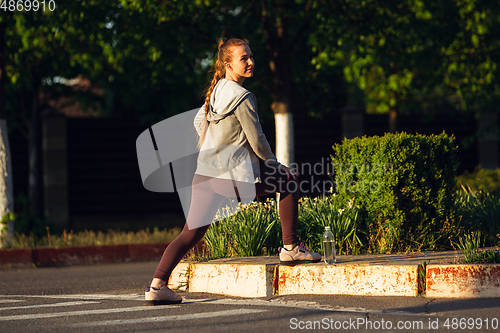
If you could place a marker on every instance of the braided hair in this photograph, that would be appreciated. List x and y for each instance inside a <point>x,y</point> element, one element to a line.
<point>224,55</point>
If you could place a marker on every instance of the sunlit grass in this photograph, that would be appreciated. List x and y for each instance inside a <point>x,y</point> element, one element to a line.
<point>111,237</point>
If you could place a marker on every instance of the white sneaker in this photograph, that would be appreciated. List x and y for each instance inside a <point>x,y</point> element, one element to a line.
<point>298,255</point>
<point>161,296</point>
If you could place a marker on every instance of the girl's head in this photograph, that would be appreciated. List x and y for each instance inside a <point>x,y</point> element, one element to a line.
<point>236,58</point>
<point>235,62</point>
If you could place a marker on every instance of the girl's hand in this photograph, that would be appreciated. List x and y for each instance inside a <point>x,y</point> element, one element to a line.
<point>289,172</point>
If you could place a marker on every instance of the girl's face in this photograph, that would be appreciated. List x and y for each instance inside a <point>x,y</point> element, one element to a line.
<point>241,65</point>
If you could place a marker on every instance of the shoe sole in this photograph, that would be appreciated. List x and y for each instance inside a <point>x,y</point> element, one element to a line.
<point>163,302</point>
<point>297,262</point>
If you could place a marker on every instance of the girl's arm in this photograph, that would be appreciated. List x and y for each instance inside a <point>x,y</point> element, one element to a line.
<point>246,112</point>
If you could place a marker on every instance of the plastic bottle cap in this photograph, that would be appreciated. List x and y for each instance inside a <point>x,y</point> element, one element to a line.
<point>327,228</point>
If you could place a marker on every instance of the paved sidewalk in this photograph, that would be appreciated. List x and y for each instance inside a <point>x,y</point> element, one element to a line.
<point>449,257</point>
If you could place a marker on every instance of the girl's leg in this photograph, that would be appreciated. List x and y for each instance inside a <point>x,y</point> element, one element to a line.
<point>204,205</point>
<point>293,253</point>
<point>288,204</point>
<point>175,252</point>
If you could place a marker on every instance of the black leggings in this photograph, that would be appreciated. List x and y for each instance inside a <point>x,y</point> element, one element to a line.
<point>208,194</point>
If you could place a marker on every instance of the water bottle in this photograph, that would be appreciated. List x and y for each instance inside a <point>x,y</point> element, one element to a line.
<point>329,247</point>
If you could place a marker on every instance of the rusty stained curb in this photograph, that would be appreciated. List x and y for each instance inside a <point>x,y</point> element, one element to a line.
<point>361,280</point>
<point>247,280</point>
<point>463,281</point>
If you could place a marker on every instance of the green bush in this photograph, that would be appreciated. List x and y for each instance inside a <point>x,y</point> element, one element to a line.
<point>480,180</point>
<point>405,186</point>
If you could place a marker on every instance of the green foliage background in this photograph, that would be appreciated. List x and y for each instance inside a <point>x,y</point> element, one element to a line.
<point>152,59</point>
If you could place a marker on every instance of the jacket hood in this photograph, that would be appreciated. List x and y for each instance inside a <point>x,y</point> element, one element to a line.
<point>225,98</point>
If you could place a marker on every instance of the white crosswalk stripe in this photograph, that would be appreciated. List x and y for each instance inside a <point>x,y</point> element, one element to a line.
<point>192,316</point>
<point>98,298</point>
<point>83,313</point>
<point>10,301</point>
<point>131,297</point>
<point>46,305</point>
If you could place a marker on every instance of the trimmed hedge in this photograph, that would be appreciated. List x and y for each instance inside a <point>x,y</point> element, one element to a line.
<point>405,186</point>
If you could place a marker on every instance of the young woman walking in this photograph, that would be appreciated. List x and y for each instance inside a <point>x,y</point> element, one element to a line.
<point>232,145</point>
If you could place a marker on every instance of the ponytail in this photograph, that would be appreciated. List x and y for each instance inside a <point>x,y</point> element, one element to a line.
<point>224,55</point>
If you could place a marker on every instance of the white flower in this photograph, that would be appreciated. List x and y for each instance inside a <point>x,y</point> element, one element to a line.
<point>340,211</point>
<point>350,203</point>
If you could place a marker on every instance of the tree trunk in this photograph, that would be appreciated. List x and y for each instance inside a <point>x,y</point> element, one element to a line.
<point>6,186</point>
<point>284,133</point>
<point>393,120</point>
<point>277,43</point>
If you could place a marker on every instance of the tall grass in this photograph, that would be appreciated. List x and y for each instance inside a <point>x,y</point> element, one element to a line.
<point>243,234</point>
<point>111,237</point>
<point>470,245</point>
<point>479,211</point>
<point>256,229</point>
<point>320,212</point>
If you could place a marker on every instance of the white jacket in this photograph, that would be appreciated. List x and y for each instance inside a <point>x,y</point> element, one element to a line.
<point>234,142</point>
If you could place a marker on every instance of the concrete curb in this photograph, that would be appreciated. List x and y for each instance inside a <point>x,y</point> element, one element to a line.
<point>16,258</point>
<point>244,280</point>
<point>387,280</point>
<point>80,255</point>
<point>83,255</point>
<point>466,281</point>
<point>263,277</point>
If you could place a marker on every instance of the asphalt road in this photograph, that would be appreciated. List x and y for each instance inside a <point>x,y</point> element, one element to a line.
<point>109,298</point>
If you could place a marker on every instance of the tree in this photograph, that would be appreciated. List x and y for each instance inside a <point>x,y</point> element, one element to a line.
<point>401,52</point>
<point>174,42</point>
<point>160,52</point>
<point>282,30</point>
<point>6,186</point>
<point>44,47</point>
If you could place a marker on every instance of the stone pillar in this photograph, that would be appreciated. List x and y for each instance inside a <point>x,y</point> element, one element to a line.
<point>55,170</point>
<point>488,139</point>
<point>352,122</point>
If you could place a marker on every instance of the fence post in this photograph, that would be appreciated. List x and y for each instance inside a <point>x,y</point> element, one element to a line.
<point>55,170</point>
